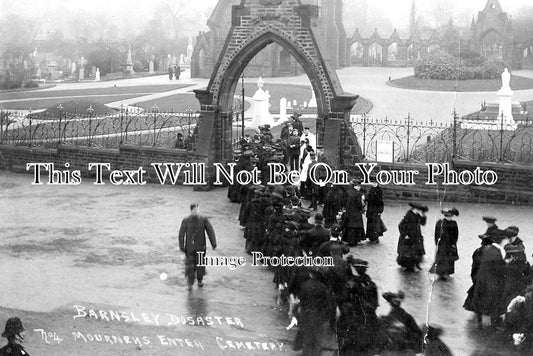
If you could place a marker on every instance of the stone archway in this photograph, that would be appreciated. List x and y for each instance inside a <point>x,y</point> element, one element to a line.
<point>256,24</point>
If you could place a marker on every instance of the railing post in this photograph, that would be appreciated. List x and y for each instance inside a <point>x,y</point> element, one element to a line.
<point>154,111</point>
<point>1,124</point>
<point>408,136</point>
<point>501,140</point>
<point>454,152</point>
<point>364,135</point>
<point>90,110</point>
<point>121,127</point>
<point>60,107</point>
<point>31,142</point>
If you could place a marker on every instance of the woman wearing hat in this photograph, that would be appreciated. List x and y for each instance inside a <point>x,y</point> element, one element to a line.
<point>488,298</point>
<point>446,235</point>
<point>399,332</point>
<point>486,240</point>
<point>14,333</point>
<point>517,274</point>
<point>411,242</point>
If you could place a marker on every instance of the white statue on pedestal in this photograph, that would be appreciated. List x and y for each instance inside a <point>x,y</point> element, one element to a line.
<point>97,75</point>
<point>505,112</point>
<point>261,114</point>
<point>506,79</point>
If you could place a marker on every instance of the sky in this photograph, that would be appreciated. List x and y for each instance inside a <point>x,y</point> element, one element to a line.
<point>137,11</point>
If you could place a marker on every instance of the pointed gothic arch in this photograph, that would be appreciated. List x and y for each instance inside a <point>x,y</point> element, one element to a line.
<point>255,25</point>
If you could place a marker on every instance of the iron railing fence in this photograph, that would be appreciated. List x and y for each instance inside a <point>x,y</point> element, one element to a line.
<point>473,139</point>
<point>156,129</point>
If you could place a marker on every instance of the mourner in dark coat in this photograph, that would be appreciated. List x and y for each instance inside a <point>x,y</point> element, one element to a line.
<point>515,241</point>
<point>411,242</point>
<point>332,205</point>
<point>286,131</point>
<point>490,280</point>
<point>14,333</point>
<point>254,227</point>
<point>293,145</point>
<point>374,209</point>
<point>358,324</point>
<point>486,240</point>
<point>352,219</point>
<point>518,273</point>
<point>298,124</point>
<point>316,315</point>
<point>446,235</point>
<point>334,247</point>
<point>400,331</point>
<point>313,238</point>
<point>243,163</point>
<point>192,240</point>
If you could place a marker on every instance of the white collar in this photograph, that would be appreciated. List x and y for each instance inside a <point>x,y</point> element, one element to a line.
<point>502,250</point>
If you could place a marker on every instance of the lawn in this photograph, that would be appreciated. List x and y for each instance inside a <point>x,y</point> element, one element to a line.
<point>180,102</point>
<point>142,89</point>
<point>475,85</point>
<point>300,93</point>
<point>46,103</point>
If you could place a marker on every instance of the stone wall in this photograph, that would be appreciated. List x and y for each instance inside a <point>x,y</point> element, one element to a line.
<point>514,184</point>
<point>125,158</point>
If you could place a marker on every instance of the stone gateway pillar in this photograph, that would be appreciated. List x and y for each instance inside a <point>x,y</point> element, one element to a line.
<point>256,24</point>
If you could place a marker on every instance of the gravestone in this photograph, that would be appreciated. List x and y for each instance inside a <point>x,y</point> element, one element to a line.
<point>151,67</point>
<point>82,73</point>
<point>283,109</point>
<point>97,75</point>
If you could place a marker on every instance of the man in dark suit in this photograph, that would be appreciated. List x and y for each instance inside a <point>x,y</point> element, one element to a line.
<point>490,281</point>
<point>352,219</point>
<point>192,241</point>
<point>293,145</point>
<point>313,238</point>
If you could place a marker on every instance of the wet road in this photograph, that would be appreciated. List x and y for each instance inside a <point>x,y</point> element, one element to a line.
<point>103,248</point>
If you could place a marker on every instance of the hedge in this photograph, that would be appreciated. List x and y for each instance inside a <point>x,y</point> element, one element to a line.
<point>442,65</point>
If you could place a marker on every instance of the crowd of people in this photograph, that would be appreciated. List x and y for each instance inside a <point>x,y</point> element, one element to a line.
<point>334,307</point>
<point>502,283</point>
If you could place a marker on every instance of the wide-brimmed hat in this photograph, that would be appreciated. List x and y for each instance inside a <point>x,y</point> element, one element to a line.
<point>418,206</point>
<point>489,219</point>
<point>498,235</point>
<point>356,262</point>
<point>450,212</point>
<point>513,230</point>
<point>13,327</point>
<point>390,295</point>
<point>514,248</point>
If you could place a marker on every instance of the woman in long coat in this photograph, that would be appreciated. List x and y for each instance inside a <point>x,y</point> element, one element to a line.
<point>490,282</point>
<point>446,235</point>
<point>374,208</point>
<point>411,242</point>
<point>332,205</point>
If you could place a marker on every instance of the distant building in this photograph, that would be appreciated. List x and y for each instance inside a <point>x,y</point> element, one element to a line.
<point>273,61</point>
<point>491,35</point>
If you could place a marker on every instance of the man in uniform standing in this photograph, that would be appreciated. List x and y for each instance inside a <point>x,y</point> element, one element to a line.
<point>192,240</point>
